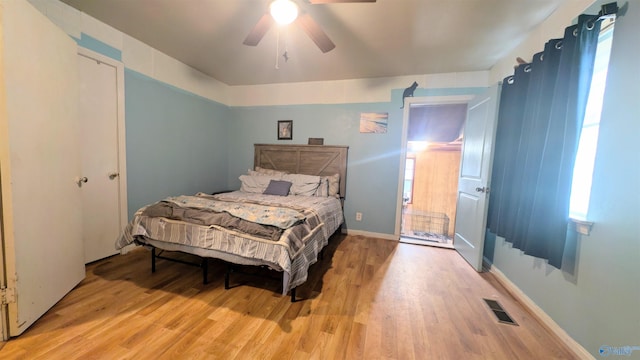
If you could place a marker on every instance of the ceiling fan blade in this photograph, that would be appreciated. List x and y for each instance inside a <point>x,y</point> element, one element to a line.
<point>339,1</point>
<point>257,33</point>
<point>315,32</point>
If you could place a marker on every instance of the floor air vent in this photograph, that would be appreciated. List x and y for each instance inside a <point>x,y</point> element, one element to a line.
<point>499,312</point>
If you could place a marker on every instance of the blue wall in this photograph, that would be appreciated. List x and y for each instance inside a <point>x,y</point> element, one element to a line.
<point>372,176</point>
<point>98,46</point>
<point>176,141</point>
<point>597,303</point>
<point>374,159</point>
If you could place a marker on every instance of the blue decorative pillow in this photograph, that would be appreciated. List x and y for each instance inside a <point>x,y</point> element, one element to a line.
<point>278,187</point>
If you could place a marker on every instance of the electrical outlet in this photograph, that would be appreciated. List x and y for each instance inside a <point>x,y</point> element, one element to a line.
<point>358,216</point>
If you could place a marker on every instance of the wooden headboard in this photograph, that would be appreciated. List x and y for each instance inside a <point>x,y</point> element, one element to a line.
<point>321,160</point>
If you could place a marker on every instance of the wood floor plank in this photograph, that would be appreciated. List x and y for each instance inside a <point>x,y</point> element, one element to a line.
<point>367,299</point>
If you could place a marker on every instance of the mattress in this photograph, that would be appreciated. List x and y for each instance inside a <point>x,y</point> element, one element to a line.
<point>292,253</point>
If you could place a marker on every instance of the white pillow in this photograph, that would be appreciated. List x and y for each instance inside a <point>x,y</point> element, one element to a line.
<point>255,184</point>
<point>323,188</point>
<point>305,185</point>
<point>334,184</point>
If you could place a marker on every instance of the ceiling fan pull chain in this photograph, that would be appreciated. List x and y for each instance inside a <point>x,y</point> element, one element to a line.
<point>285,54</point>
<point>277,49</point>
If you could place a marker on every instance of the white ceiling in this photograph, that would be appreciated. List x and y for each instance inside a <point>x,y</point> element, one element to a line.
<point>386,38</point>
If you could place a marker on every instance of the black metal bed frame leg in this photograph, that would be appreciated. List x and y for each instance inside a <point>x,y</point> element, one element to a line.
<point>226,277</point>
<point>153,259</point>
<point>205,270</point>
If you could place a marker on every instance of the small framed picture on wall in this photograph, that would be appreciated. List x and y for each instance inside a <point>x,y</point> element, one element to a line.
<point>285,129</point>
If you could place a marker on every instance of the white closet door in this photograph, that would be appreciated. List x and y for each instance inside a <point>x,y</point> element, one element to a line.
<point>99,112</point>
<point>40,152</point>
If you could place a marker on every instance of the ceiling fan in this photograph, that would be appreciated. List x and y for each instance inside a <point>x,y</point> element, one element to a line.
<point>286,11</point>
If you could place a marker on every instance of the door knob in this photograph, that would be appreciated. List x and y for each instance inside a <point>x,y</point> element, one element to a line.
<point>113,175</point>
<point>482,189</point>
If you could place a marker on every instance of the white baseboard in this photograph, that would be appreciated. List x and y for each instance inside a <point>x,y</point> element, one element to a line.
<point>371,234</point>
<point>540,315</point>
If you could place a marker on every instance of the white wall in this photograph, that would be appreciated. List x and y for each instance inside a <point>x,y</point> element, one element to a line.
<point>348,91</point>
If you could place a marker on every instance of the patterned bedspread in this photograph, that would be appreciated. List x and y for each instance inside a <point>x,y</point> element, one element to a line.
<point>279,216</point>
<point>314,220</point>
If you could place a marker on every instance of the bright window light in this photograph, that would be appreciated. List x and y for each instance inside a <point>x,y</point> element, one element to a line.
<point>583,169</point>
<point>417,146</point>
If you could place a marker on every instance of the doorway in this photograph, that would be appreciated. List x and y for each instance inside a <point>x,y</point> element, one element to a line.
<point>431,148</point>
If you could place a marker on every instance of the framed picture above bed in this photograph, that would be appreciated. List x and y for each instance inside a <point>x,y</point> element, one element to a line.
<point>285,129</point>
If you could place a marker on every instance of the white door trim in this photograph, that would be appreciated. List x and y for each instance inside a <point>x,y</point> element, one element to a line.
<point>122,154</point>
<point>408,102</point>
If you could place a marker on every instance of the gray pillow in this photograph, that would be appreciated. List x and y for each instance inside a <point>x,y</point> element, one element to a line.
<point>278,187</point>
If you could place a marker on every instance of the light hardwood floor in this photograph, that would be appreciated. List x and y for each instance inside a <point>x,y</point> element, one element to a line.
<point>367,299</point>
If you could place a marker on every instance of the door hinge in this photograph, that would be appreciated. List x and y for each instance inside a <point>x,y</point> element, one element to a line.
<point>7,295</point>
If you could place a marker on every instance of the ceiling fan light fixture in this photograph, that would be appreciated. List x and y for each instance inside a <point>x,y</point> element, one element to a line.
<point>284,12</point>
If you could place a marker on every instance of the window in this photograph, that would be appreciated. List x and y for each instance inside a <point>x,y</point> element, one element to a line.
<point>409,172</point>
<point>583,169</point>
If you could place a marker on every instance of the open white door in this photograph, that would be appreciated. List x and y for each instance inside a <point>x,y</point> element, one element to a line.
<point>40,159</point>
<point>475,175</point>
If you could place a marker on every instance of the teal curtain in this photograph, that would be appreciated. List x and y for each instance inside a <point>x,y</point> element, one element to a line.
<point>541,113</point>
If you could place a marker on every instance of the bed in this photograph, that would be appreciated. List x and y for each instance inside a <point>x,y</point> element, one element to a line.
<point>283,215</point>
